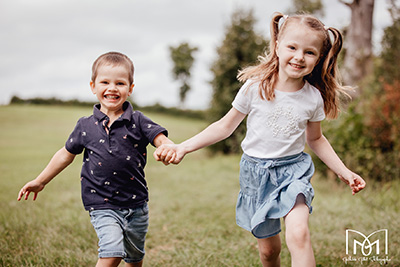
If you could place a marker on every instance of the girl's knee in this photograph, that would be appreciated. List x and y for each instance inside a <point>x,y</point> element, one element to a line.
<point>269,248</point>
<point>270,253</point>
<point>298,236</point>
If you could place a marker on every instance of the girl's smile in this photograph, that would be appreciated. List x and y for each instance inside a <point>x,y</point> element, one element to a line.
<point>298,55</point>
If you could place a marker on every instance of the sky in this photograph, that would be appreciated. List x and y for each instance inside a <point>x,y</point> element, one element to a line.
<point>47,47</point>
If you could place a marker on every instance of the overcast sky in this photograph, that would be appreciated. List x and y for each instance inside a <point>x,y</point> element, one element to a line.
<point>47,47</point>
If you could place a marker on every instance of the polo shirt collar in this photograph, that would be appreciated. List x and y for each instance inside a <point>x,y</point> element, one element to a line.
<point>127,107</point>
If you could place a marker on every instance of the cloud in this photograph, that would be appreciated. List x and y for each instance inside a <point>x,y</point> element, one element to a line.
<point>48,47</point>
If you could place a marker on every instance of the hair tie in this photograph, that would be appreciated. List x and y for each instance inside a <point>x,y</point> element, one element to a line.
<point>326,28</point>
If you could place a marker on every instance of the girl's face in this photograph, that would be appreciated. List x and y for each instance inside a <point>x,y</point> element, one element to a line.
<point>112,88</point>
<point>298,51</point>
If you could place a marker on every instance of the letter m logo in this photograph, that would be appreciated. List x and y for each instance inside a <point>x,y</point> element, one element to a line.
<point>366,243</point>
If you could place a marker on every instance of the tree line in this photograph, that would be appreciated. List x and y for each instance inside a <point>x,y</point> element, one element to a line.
<point>366,134</point>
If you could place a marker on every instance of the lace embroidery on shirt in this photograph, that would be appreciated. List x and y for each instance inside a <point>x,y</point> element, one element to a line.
<point>283,121</point>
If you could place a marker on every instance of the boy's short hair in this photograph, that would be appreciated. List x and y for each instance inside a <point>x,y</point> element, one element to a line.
<point>116,59</point>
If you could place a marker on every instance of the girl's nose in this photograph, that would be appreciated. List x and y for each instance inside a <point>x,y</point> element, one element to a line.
<point>299,55</point>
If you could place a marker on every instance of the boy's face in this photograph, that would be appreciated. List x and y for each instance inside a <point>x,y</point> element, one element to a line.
<point>112,87</point>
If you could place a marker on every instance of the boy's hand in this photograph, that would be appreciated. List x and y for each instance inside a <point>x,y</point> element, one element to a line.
<point>168,153</point>
<point>355,182</point>
<point>32,186</point>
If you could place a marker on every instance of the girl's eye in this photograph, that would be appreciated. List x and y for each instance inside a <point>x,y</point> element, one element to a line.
<point>310,53</point>
<point>291,47</point>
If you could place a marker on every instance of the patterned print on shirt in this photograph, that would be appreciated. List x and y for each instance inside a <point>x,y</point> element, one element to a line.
<point>283,121</point>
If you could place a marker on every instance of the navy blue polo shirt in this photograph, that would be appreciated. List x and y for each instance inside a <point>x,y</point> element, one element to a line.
<point>114,158</point>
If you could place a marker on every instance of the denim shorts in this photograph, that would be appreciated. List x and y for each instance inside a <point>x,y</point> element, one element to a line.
<point>269,189</point>
<point>122,232</point>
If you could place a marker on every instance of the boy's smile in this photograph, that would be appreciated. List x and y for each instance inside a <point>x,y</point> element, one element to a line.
<point>112,88</point>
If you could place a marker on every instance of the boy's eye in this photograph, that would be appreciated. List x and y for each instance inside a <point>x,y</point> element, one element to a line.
<point>291,47</point>
<point>120,83</point>
<point>104,82</point>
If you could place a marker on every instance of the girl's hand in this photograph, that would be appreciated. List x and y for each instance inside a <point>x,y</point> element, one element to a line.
<point>169,153</point>
<point>32,186</point>
<point>355,182</point>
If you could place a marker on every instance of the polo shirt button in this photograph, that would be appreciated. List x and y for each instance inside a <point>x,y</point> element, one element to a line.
<point>110,151</point>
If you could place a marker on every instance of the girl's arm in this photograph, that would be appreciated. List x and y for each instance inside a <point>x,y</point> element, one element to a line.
<point>61,159</point>
<point>323,149</point>
<point>214,133</point>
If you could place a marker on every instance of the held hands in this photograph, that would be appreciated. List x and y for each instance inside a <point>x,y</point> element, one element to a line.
<point>32,186</point>
<point>169,153</point>
<point>355,181</point>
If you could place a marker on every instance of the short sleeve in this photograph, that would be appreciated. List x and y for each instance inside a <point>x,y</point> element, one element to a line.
<point>75,143</point>
<point>242,100</point>
<point>149,128</point>
<point>319,114</point>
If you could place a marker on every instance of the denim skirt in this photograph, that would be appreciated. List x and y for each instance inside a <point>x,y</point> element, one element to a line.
<point>268,191</point>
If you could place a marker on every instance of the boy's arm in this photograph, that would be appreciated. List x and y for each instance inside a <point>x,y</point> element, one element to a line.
<point>61,159</point>
<point>161,139</point>
<point>323,149</point>
<point>214,133</point>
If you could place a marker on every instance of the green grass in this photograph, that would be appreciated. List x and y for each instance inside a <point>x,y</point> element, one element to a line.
<point>192,205</point>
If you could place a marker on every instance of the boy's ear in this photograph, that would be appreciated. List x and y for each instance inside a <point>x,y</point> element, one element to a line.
<point>131,89</point>
<point>92,87</point>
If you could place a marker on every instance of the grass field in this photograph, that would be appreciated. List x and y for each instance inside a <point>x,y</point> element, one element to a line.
<point>192,206</point>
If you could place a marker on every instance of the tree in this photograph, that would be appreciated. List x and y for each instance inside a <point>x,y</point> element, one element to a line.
<point>358,42</point>
<point>240,48</point>
<point>308,6</point>
<point>183,60</point>
<point>367,136</point>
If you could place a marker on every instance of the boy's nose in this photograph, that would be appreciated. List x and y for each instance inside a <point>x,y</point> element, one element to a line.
<point>112,86</point>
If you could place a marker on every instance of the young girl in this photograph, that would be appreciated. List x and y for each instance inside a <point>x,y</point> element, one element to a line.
<point>286,96</point>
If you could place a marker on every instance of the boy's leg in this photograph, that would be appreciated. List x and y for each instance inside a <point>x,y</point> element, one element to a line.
<point>136,224</point>
<point>134,264</point>
<point>107,225</point>
<point>108,262</point>
<point>298,237</point>
<point>269,250</point>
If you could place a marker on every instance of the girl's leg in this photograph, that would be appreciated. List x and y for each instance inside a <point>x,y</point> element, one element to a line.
<point>269,250</point>
<point>298,237</point>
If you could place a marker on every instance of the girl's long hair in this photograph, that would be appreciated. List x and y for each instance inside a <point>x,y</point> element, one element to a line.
<point>325,75</point>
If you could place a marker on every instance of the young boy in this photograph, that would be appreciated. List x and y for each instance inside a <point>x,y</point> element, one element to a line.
<point>114,141</point>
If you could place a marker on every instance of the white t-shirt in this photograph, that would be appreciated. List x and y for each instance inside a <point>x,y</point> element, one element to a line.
<point>277,128</point>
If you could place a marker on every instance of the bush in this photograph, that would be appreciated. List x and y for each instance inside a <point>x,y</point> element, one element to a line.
<point>366,136</point>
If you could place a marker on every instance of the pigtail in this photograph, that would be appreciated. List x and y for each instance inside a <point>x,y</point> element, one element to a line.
<point>266,72</point>
<point>331,63</point>
<point>326,76</point>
